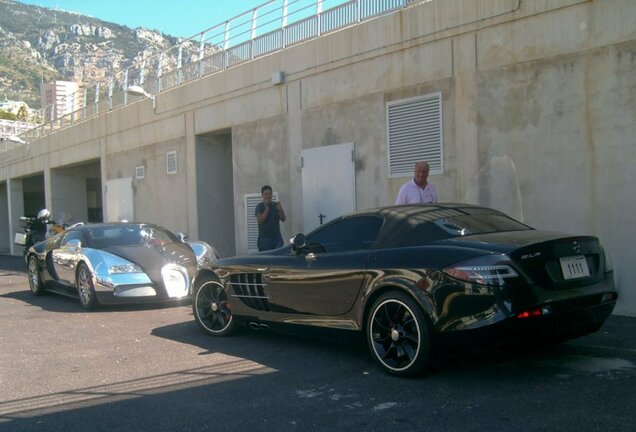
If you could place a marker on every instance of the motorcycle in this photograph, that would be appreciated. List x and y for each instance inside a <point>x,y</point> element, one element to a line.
<point>36,229</point>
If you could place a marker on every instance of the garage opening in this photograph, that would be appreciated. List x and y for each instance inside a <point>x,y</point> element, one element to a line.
<point>215,191</point>
<point>76,193</point>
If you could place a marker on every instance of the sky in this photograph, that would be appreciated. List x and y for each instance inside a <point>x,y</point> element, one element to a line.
<point>182,18</point>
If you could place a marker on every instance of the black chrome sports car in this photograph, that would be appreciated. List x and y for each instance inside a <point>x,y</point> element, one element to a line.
<point>121,262</point>
<point>414,278</point>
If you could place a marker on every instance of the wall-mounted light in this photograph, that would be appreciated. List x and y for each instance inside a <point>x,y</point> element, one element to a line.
<point>136,90</point>
<point>278,77</point>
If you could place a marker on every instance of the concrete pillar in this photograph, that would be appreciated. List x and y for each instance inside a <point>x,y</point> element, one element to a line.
<point>191,178</point>
<point>15,200</point>
<point>465,74</point>
<point>102,162</point>
<point>48,185</point>
<point>294,208</point>
<point>6,233</point>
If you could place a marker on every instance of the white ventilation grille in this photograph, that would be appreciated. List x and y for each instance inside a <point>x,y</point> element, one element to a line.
<point>251,226</point>
<point>414,134</point>
<point>171,162</point>
<point>140,172</point>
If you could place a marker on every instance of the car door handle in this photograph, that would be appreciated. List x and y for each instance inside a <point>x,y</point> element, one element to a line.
<point>311,257</point>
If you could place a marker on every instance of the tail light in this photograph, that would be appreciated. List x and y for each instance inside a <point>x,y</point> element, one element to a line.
<point>493,270</point>
<point>537,312</point>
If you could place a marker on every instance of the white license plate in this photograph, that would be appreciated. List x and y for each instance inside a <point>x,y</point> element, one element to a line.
<point>20,239</point>
<point>574,267</point>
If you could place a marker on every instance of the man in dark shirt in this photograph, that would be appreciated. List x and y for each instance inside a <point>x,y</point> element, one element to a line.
<point>269,215</point>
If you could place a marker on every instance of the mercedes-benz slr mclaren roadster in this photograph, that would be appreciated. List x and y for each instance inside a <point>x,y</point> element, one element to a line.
<point>414,279</point>
<point>114,263</point>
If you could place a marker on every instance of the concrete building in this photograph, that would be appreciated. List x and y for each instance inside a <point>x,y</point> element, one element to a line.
<point>59,98</point>
<point>524,106</point>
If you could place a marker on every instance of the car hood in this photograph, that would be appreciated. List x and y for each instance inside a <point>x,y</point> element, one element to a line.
<point>152,258</point>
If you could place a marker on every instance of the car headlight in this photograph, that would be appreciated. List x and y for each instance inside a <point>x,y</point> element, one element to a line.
<point>176,280</point>
<point>124,268</point>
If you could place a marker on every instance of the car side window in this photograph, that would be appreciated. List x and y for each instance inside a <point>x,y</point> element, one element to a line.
<point>347,234</point>
<point>71,235</point>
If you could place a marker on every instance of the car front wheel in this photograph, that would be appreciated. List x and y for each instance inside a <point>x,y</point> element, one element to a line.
<point>211,307</point>
<point>35,283</point>
<point>85,287</point>
<point>398,334</point>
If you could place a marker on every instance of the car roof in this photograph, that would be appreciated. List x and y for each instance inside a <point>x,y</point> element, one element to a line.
<point>90,226</point>
<point>428,211</point>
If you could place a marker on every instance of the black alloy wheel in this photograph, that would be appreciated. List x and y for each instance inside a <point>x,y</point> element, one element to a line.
<point>398,334</point>
<point>35,283</point>
<point>85,287</point>
<point>211,308</point>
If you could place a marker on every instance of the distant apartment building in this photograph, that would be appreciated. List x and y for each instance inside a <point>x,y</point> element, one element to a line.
<point>59,98</point>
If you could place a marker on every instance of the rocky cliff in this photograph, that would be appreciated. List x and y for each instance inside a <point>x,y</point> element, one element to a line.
<point>39,44</point>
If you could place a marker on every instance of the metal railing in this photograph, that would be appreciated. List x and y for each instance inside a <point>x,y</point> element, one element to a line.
<point>270,27</point>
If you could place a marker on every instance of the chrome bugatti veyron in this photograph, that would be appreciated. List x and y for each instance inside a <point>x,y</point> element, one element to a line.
<point>113,263</point>
<point>416,278</point>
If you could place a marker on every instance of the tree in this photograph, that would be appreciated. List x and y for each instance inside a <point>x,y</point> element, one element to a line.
<point>22,113</point>
<point>6,115</point>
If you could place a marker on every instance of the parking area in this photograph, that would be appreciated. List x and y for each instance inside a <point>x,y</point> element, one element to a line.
<point>151,368</point>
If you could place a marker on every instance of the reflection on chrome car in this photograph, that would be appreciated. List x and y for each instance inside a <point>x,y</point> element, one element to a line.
<point>415,280</point>
<point>120,262</point>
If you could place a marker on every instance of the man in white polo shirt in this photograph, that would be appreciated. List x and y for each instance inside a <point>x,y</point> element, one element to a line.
<point>418,189</point>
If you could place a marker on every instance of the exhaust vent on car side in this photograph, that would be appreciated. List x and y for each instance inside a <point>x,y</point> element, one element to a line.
<point>250,289</point>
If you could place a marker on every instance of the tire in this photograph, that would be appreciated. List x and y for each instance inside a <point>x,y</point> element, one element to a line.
<point>211,307</point>
<point>398,335</point>
<point>35,282</point>
<point>85,287</point>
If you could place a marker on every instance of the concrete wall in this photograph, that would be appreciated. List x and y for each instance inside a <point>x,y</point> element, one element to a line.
<point>537,104</point>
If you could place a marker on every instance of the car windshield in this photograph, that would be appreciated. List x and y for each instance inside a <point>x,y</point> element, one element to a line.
<point>432,226</point>
<point>128,235</point>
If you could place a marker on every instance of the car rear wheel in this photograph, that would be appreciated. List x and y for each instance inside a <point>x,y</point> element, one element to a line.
<point>85,287</point>
<point>398,334</point>
<point>211,307</point>
<point>35,283</point>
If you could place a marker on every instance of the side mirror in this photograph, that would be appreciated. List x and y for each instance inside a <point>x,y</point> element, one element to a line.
<point>183,237</point>
<point>298,242</point>
<point>74,244</point>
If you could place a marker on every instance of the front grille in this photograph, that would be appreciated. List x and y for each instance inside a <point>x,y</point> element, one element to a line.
<point>250,289</point>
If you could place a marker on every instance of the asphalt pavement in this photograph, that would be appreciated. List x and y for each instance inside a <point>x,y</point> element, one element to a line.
<point>150,368</point>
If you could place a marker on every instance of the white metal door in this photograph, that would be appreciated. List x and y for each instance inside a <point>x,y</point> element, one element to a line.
<point>329,187</point>
<point>119,200</point>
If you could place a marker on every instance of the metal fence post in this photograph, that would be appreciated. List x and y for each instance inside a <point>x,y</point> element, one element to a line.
<point>84,104</point>
<point>179,60</point>
<point>319,15</point>
<point>201,54</point>
<point>110,93</point>
<point>253,34</point>
<point>125,87</point>
<point>159,72</point>
<point>97,99</point>
<point>226,44</point>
